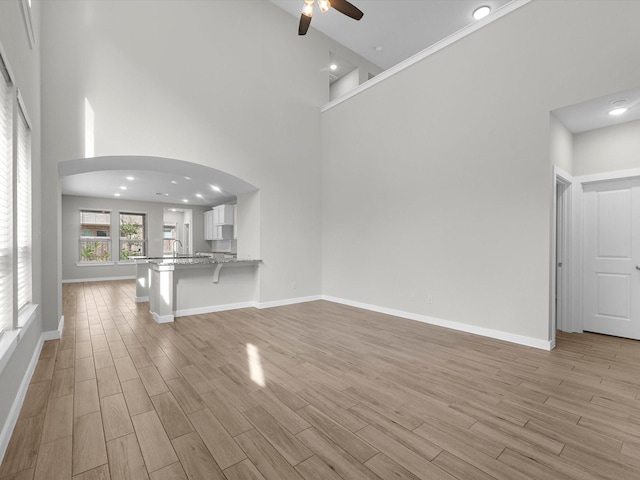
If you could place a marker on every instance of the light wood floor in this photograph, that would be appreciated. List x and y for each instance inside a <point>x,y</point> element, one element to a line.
<point>317,391</point>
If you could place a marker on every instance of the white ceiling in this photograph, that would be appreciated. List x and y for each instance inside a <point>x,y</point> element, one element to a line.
<point>155,179</point>
<point>401,27</point>
<point>594,113</point>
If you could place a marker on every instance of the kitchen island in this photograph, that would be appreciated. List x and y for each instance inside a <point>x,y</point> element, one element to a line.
<point>186,285</point>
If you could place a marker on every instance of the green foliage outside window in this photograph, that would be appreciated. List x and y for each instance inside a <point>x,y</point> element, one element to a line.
<point>131,236</point>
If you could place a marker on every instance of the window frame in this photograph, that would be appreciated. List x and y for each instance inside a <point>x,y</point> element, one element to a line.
<point>142,241</point>
<point>106,240</point>
<point>8,310</point>
<point>21,119</point>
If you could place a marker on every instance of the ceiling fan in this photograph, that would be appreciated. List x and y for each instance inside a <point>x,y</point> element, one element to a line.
<point>341,5</point>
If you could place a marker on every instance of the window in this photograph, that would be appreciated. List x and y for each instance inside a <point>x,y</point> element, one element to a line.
<point>133,240</point>
<point>6,176</point>
<point>23,203</point>
<point>168,238</point>
<point>95,236</point>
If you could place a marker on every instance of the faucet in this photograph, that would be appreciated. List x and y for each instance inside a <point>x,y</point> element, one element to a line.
<point>175,247</point>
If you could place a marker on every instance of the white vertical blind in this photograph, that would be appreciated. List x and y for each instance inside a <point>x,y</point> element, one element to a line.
<point>23,202</point>
<point>6,157</point>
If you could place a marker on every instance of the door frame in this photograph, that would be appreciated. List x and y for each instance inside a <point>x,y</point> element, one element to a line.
<point>561,293</point>
<point>562,250</point>
<point>573,321</point>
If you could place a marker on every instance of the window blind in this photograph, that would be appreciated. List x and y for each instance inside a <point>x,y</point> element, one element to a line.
<point>23,203</point>
<point>6,157</point>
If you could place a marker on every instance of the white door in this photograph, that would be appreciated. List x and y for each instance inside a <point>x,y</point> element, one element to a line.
<point>612,258</point>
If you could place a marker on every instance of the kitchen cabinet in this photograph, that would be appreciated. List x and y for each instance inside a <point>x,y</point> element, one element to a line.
<point>218,223</point>
<point>224,214</point>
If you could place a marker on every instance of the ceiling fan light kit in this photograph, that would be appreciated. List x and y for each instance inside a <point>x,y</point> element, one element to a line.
<point>342,6</point>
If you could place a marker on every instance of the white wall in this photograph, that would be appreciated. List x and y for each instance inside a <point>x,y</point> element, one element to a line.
<point>71,206</point>
<point>345,84</point>
<point>180,80</point>
<point>24,63</point>
<point>607,149</point>
<point>561,144</point>
<point>438,181</point>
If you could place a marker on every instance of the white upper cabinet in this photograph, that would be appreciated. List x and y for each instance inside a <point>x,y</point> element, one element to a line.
<point>218,223</point>
<point>224,214</point>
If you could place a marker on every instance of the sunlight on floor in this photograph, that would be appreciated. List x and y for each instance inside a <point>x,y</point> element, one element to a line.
<point>255,367</point>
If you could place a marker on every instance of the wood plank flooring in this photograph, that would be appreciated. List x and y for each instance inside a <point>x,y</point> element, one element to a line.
<point>317,391</point>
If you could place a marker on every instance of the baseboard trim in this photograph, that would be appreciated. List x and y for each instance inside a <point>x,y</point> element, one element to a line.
<point>214,309</point>
<point>162,318</point>
<point>98,279</point>
<point>288,301</point>
<point>463,327</point>
<point>12,418</point>
<point>54,334</point>
<point>142,299</point>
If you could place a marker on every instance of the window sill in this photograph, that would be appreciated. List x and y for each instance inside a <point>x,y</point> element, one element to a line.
<point>9,340</point>
<point>26,315</point>
<point>94,264</point>
<point>127,262</point>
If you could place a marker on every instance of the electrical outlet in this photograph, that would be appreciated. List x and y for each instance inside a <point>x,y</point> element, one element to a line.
<point>412,296</point>
<point>429,299</point>
<point>293,285</point>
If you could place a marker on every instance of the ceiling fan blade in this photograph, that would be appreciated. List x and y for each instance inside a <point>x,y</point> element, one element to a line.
<point>305,21</point>
<point>348,9</point>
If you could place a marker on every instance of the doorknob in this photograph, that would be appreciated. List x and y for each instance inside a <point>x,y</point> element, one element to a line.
<point>637,267</point>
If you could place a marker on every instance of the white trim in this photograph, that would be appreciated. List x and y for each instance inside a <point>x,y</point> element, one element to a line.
<point>23,109</point>
<point>28,22</point>
<point>288,301</point>
<point>615,175</point>
<point>9,340</point>
<point>95,264</point>
<point>142,299</point>
<point>26,315</point>
<point>5,61</point>
<point>12,418</point>
<point>485,332</point>
<point>569,266</point>
<point>215,308</point>
<point>162,318</point>
<point>577,215</point>
<point>436,47</point>
<point>98,279</point>
<point>8,343</point>
<point>463,327</point>
<point>55,334</point>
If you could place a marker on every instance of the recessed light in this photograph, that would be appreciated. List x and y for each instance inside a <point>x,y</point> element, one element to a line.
<point>379,48</point>
<point>185,200</point>
<point>131,178</point>
<point>618,107</point>
<point>333,66</point>
<point>116,194</point>
<point>215,188</point>
<point>187,178</point>
<point>122,187</point>
<point>199,195</point>
<point>617,111</point>
<point>481,12</point>
<point>174,182</point>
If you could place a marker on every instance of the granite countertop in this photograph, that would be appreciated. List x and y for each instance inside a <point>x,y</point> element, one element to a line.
<point>200,260</point>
